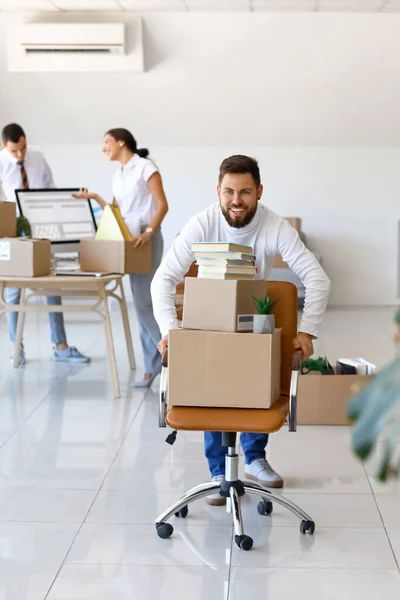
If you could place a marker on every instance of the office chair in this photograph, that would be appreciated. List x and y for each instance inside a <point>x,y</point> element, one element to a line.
<point>231,420</point>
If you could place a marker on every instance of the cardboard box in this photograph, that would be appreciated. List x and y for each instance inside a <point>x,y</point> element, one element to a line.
<point>108,256</point>
<point>322,399</point>
<point>217,305</point>
<point>295,222</point>
<point>23,257</point>
<point>214,369</point>
<point>278,262</point>
<point>8,220</point>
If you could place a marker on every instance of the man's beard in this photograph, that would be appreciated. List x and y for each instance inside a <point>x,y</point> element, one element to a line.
<point>238,222</point>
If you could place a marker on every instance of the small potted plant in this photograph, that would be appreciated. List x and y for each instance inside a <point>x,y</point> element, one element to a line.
<point>23,227</point>
<point>264,322</point>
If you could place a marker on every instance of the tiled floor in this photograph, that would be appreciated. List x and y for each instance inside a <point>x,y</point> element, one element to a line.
<point>82,477</point>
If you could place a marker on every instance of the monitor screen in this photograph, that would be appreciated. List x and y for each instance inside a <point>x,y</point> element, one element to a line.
<point>56,216</point>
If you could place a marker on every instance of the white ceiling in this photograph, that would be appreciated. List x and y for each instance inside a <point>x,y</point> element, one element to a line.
<point>200,5</point>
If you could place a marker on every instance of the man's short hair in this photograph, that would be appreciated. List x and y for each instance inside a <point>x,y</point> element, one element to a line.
<point>12,133</point>
<point>238,163</point>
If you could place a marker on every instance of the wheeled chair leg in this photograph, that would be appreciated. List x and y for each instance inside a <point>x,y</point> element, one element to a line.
<point>200,491</point>
<point>257,490</point>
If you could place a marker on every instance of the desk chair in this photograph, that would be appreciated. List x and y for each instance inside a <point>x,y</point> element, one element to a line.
<point>231,420</point>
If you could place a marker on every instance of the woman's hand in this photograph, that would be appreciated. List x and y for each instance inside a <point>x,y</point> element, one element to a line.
<point>142,239</point>
<point>84,194</point>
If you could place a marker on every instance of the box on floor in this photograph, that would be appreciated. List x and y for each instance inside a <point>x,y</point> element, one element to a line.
<point>218,305</point>
<point>322,399</point>
<point>24,257</point>
<point>217,369</point>
<point>110,256</point>
<point>8,220</point>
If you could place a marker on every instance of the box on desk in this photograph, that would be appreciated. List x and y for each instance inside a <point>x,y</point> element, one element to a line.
<point>109,256</point>
<point>217,305</point>
<point>8,220</point>
<point>24,257</point>
<point>230,370</point>
<point>322,399</point>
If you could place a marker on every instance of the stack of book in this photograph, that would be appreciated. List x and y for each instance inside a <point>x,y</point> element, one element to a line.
<point>223,260</point>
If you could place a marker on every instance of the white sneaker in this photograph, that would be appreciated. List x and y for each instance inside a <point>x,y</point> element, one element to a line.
<point>261,471</point>
<point>22,358</point>
<point>216,499</point>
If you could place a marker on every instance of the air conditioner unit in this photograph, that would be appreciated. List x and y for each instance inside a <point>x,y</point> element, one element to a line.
<point>60,47</point>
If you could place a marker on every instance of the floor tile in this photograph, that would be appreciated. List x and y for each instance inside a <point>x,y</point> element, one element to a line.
<point>35,543</point>
<point>46,506</point>
<point>336,548</point>
<point>24,581</point>
<point>116,582</point>
<point>315,584</point>
<point>175,477</point>
<point>143,507</point>
<point>327,510</point>
<point>140,545</point>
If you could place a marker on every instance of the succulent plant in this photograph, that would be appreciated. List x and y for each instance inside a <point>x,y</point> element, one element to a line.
<point>264,305</point>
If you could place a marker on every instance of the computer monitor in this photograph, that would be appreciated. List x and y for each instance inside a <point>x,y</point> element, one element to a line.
<point>55,215</point>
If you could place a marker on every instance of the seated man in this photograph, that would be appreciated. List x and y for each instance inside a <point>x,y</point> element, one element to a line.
<point>23,168</point>
<point>239,218</point>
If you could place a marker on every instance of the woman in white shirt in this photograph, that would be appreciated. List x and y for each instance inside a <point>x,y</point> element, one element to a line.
<point>138,190</point>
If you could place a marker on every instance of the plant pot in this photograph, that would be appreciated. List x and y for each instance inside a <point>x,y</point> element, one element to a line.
<point>264,324</point>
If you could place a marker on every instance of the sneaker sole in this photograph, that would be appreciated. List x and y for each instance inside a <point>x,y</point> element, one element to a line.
<point>270,484</point>
<point>216,501</point>
<point>72,361</point>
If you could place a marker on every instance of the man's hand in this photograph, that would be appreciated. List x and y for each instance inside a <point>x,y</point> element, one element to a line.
<point>142,239</point>
<point>163,345</point>
<point>304,342</point>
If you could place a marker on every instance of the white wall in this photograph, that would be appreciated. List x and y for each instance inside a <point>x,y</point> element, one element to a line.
<point>314,97</point>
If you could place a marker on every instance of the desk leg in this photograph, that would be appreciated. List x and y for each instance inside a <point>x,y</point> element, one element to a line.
<point>20,330</point>
<point>110,343</point>
<point>127,328</point>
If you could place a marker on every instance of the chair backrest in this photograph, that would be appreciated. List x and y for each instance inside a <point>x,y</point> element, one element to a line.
<point>285,312</point>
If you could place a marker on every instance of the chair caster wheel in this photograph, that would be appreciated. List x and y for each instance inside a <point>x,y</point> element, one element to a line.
<point>183,513</point>
<point>307,527</point>
<point>164,530</point>
<point>265,507</point>
<point>244,542</point>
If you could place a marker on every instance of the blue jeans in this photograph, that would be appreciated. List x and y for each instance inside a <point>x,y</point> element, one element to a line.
<point>148,329</point>
<point>253,445</point>
<point>57,330</point>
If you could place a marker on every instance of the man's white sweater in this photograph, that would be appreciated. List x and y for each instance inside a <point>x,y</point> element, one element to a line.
<point>268,235</point>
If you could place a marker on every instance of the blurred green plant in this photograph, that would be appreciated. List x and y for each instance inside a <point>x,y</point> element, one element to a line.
<point>23,227</point>
<point>372,410</point>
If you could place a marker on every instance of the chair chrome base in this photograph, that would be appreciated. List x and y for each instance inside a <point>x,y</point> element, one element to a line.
<point>232,488</point>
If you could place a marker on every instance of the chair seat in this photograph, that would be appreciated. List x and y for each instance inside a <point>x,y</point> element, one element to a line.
<point>229,419</point>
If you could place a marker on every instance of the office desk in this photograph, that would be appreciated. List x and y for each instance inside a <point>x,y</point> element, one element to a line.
<point>100,289</point>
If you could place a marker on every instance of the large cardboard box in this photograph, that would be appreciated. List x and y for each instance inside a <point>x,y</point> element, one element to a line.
<point>109,256</point>
<point>215,369</point>
<point>221,305</point>
<point>322,399</point>
<point>278,262</point>
<point>8,220</point>
<point>23,257</point>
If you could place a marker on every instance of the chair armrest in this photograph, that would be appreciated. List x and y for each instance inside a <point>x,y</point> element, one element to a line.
<point>294,382</point>
<point>163,399</point>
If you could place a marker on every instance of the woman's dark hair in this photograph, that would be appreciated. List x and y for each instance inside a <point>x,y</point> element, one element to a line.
<point>12,133</point>
<point>240,164</point>
<point>123,135</point>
